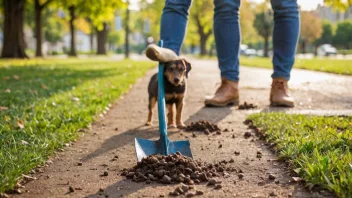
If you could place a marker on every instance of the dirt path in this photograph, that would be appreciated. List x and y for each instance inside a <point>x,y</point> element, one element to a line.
<point>109,145</point>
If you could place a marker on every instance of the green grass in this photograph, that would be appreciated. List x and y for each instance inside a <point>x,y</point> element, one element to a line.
<point>324,64</point>
<point>53,99</point>
<point>318,148</point>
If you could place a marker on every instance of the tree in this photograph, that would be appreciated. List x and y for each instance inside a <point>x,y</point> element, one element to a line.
<point>52,28</point>
<point>247,16</point>
<point>114,39</point>
<point>264,26</point>
<point>343,36</point>
<point>201,14</point>
<point>38,7</point>
<point>327,34</point>
<point>127,31</point>
<point>102,38</point>
<point>311,29</point>
<point>14,45</point>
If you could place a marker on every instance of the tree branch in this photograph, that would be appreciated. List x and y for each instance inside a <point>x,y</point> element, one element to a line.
<point>45,4</point>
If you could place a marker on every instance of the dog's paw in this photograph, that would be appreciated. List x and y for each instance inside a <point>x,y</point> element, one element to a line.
<point>148,124</point>
<point>172,125</point>
<point>181,125</point>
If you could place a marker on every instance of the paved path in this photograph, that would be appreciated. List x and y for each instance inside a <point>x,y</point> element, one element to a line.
<point>314,91</point>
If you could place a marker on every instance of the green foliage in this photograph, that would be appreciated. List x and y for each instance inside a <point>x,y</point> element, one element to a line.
<point>53,26</point>
<point>341,5</point>
<point>343,36</point>
<point>318,148</point>
<point>263,23</point>
<point>324,65</point>
<point>327,35</point>
<point>48,101</point>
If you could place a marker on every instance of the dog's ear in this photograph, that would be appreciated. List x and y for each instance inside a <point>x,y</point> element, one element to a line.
<point>188,66</point>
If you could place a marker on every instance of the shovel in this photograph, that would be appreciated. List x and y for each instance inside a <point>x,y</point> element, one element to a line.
<point>162,146</point>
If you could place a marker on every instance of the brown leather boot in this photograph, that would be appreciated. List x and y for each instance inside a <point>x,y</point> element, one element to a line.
<point>227,94</point>
<point>279,94</point>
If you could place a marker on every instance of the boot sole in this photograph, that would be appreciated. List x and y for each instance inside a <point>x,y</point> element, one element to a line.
<point>277,104</point>
<point>229,103</point>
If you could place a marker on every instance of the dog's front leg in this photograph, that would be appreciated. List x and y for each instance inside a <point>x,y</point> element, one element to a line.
<point>170,115</point>
<point>179,108</point>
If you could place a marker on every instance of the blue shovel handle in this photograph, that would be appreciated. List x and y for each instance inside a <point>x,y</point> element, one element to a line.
<point>161,106</point>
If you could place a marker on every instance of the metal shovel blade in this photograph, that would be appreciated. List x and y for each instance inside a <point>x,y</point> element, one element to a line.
<point>145,147</point>
<point>162,146</point>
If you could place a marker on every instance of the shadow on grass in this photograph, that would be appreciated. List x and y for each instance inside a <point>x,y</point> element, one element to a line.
<point>25,84</point>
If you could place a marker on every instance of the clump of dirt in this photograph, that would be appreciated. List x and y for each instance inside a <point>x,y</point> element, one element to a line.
<point>246,106</point>
<point>204,126</point>
<point>176,168</point>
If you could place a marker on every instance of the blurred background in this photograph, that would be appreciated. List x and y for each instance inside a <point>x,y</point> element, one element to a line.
<point>38,28</point>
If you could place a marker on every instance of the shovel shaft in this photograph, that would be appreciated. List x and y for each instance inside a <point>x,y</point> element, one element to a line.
<point>161,105</point>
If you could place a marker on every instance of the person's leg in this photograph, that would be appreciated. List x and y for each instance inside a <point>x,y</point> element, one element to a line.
<point>173,23</point>
<point>285,36</point>
<point>227,39</point>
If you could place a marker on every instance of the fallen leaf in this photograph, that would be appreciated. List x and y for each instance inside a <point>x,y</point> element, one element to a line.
<point>5,78</point>
<point>44,86</point>
<point>75,99</point>
<point>20,124</point>
<point>297,179</point>
<point>24,142</point>
<point>15,77</point>
<point>2,108</point>
<point>8,90</point>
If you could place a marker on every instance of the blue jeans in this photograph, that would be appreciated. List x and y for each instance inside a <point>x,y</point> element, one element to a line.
<point>228,37</point>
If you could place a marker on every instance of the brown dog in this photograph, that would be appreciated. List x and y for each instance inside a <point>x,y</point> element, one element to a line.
<point>175,85</point>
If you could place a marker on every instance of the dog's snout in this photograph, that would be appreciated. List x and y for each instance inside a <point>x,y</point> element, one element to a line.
<point>176,80</point>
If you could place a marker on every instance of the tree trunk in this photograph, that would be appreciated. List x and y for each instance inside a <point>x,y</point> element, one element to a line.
<point>266,47</point>
<point>72,31</point>
<point>127,30</point>
<point>102,38</point>
<point>303,45</point>
<point>203,37</point>
<point>13,42</point>
<point>38,28</point>
<point>91,41</point>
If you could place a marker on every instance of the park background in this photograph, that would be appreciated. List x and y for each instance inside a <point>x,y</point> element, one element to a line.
<point>65,62</point>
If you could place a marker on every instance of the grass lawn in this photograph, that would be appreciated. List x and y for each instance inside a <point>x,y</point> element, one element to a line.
<point>44,103</point>
<point>324,64</point>
<point>318,148</point>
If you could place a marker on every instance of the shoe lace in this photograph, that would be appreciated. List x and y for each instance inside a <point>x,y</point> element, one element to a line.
<point>279,85</point>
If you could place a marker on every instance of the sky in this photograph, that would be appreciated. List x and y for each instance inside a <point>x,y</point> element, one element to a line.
<point>305,4</point>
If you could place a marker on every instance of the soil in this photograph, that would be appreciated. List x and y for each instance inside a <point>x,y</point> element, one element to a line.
<point>204,126</point>
<point>246,106</point>
<point>108,145</point>
<point>176,168</point>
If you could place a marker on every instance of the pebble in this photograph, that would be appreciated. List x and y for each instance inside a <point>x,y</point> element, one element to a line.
<point>247,134</point>
<point>106,173</point>
<point>191,194</point>
<point>71,189</point>
<point>218,186</point>
<point>272,177</point>
<point>165,180</point>
<point>199,192</point>
<point>79,164</point>
<point>211,182</point>
<point>240,175</point>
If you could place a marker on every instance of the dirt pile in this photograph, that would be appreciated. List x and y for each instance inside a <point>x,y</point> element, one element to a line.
<point>176,168</point>
<point>203,126</point>
<point>246,106</point>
